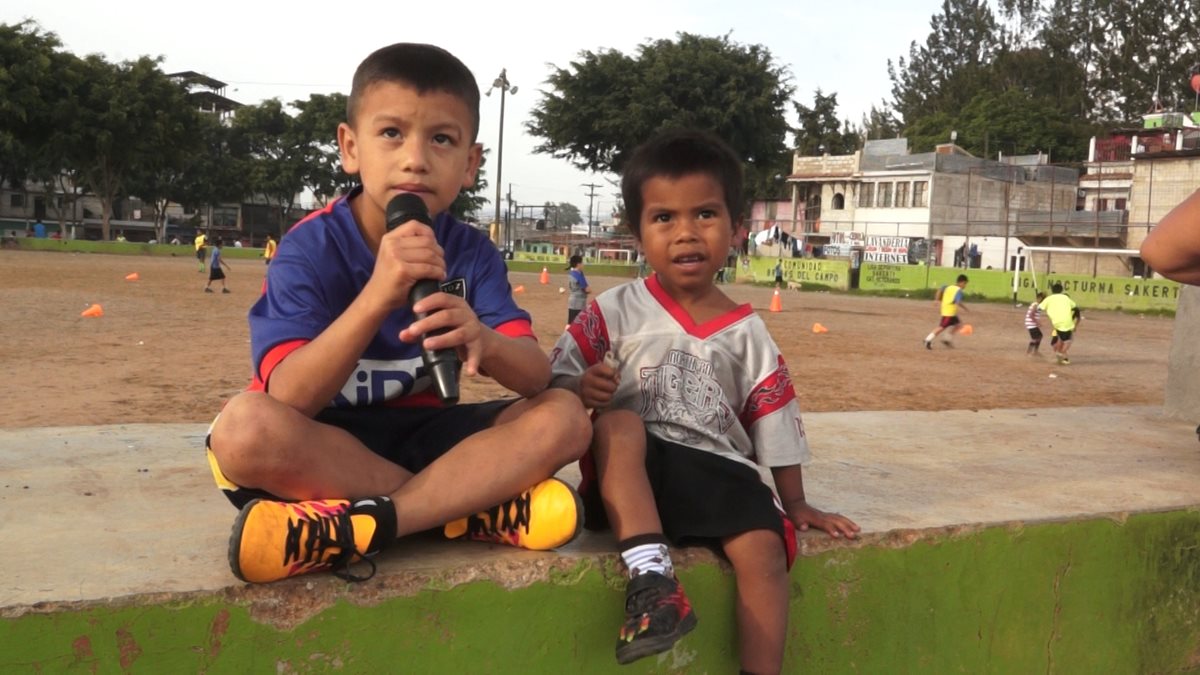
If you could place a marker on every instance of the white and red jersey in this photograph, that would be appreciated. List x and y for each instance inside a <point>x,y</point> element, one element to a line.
<point>1032,316</point>
<point>721,386</point>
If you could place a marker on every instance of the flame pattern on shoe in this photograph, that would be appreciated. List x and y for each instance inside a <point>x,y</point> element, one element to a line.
<point>657,614</point>
<point>546,516</point>
<point>315,535</point>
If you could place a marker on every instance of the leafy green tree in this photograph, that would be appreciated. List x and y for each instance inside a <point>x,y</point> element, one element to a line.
<point>566,215</point>
<point>118,104</point>
<point>28,56</point>
<point>943,73</point>
<point>819,130</point>
<point>213,174</point>
<point>315,131</point>
<point>470,200</point>
<point>599,108</point>
<point>880,123</point>
<point>39,89</point>
<point>1130,50</point>
<point>275,164</point>
<point>171,130</point>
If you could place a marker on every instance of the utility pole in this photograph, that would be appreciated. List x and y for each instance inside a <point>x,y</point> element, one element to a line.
<point>591,198</point>
<point>505,87</point>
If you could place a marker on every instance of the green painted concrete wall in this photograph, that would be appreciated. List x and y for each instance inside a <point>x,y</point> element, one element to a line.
<point>1081,597</point>
<point>129,248</point>
<point>826,273</point>
<point>1089,292</point>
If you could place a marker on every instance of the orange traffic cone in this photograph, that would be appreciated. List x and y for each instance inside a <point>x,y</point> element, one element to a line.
<point>545,276</point>
<point>966,329</point>
<point>776,302</point>
<point>94,310</point>
<point>519,289</point>
<point>133,276</point>
<point>818,328</point>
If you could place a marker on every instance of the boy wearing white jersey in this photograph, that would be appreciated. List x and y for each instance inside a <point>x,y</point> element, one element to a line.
<point>693,395</point>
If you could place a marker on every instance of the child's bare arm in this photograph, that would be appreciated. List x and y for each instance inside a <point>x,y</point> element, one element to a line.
<point>311,376</point>
<point>789,481</point>
<point>1173,247</point>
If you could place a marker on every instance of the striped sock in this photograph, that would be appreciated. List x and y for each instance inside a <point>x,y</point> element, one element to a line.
<point>647,553</point>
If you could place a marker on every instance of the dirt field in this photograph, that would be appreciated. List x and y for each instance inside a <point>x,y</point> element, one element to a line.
<point>165,351</point>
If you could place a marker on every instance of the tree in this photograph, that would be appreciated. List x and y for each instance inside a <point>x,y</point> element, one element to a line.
<point>172,132</point>
<point>315,131</point>
<point>880,123</point>
<point>214,173</point>
<point>28,57</point>
<point>561,216</point>
<point>599,108</point>
<point>942,74</point>
<point>471,199</point>
<point>39,88</point>
<point>1133,54</point>
<point>275,163</point>
<point>820,131</point>
<point>118,103</point>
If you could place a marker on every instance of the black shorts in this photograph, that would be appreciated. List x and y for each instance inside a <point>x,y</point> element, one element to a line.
<point>948,321</point>
<point>1065,335</point>
<point>215,273</point>
<point>701,497</point>
<point>1035,334</point>
<point>410,437</point>
<point>200,254</point>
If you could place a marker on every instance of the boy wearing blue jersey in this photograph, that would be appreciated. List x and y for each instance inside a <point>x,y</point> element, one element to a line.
<point>340,446</point>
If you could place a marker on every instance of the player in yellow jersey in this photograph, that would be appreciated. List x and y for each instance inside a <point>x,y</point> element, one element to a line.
<point>269,250</point>
<point>1063,315</point>
<point>949,298</point>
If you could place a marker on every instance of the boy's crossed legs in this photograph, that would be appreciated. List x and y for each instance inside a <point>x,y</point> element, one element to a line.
<point>258,441</point>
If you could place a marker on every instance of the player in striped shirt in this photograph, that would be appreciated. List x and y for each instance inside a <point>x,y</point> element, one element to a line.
<point>1033,324</point>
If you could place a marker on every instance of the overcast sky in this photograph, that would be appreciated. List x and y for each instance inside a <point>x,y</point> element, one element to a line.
<point>265,50</point>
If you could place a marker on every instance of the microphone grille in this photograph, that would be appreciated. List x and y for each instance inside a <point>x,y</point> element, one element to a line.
<point>404,207</point>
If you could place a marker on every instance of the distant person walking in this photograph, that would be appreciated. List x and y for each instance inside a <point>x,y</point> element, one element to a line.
<point>577,284</point>
<point>39,229</point>
<point>949,298</point>
<point>215,271</point>
<point>269,250</point>
<point>199,242</point>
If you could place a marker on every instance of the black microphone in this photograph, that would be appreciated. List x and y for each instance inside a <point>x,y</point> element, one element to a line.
<point>441,364</point>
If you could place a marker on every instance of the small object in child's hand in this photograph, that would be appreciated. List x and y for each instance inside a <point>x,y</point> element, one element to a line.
<point>610,360</point>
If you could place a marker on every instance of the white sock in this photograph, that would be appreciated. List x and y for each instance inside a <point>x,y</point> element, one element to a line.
<point>929,338</point>
<point>648,558</point>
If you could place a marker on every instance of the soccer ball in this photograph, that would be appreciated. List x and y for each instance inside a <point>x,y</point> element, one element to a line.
<point>561,289</point>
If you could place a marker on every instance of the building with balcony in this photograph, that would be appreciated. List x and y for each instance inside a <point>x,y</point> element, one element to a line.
<point>952,207</point>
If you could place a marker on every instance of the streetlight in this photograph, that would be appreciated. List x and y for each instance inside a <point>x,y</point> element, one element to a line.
<point>505,87</point>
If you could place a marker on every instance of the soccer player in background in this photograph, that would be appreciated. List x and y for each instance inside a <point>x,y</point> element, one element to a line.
<point>949,300</point>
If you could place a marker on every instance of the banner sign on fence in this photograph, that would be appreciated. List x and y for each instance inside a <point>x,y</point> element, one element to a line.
<point>886,250</point>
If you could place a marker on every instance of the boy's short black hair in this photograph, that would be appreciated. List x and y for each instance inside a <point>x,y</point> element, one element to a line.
<point>962,278</point>
<point>678,153</point>
<point>423,67</point>
<point>575,260</point>
<point>1056,288</point>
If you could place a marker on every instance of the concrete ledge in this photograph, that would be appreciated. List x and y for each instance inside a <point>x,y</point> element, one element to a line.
<point>995,541</point>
